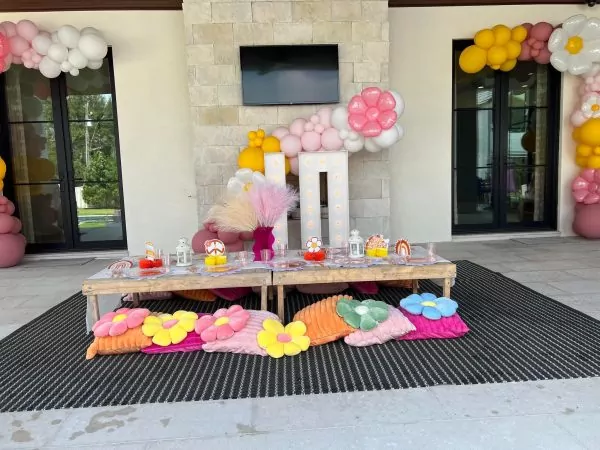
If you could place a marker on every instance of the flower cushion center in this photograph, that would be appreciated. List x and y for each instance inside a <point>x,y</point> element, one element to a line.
<point>428,303</point>
<point>574,45</point>
<point>221,321</point>
<point>119,318</point>
<point>364,315</point>
<point>595,107</point>
<point>361,310</point>
<point>284,337</point>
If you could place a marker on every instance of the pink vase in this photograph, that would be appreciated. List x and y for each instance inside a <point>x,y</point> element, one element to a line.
<point>586,222</point>
<point>263,240</point>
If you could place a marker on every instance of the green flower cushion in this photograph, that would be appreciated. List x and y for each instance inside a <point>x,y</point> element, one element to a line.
<point>364,315</point>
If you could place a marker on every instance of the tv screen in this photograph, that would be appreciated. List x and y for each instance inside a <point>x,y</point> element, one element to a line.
<point>290,74</point>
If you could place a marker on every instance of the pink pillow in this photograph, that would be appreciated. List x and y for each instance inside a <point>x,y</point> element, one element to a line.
<point>244,341</point>
<point>191,343</point>
<point>232,294</point>
<point>445,328</point>
<point>393,327</point>
<point>365,287</point>
<point>149,296</point>
<point>322,289</point>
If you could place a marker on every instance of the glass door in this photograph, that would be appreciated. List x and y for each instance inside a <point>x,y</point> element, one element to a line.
<point>505,148</point>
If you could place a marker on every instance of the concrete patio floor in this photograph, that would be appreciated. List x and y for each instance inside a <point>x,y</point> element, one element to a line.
<point>559,414</point>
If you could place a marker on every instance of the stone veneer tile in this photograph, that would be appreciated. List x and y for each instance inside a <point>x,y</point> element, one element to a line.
<point>378,52</point>
<point>226,53</point>
<point>374,11</point>
<point>219,154</point>
<point>346,74</point>
<point>331,32</point>
<point>311,11</point>
<point>217,115</point>
<point>213,33</point>
<point>350,51</point>
<point>272,11</point>
<point>200,54</point>
<point>253,33</point>
<point>203,95</point>
<point>293,33</point>
<point>366,31</point>
<point>197,12</point>
<point>385,31</point>
<point>347,10</point>
<point>366,189</point>
<point>215,75</point>
<point>230,95</point>
<point>376,169</point>
<point>385,73</point>
<point>231,12</point>
<point>367,72</point>
<point>211,135</point>
<point>251,115</point>
<point>285,114</point>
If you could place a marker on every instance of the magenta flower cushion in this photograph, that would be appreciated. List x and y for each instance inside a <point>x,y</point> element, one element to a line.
<point>191,343</point>
<point>444,328</point>
<point>322,289</point>
<point>232,294</point>
<point>365,287</point>
<point>395,326</point>
<point>244,341</point>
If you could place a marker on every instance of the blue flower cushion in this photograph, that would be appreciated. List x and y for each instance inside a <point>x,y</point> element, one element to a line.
<point>429,306</point>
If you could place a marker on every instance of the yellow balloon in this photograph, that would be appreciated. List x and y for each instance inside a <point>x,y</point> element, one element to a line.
<point>575,134</point>
<point>257,142</point>
<point>508,65</point>
<point>495,66</point>
<point>583,150</point>
<point>260,133</point>
<point>497,55</point>
<point>2,169</point>
<point>589,133</point>
<point>288,167</point>
<point>593,162</point>
<point>270,144</point>
<point>513,49</point>
<point>252,158</point>
<point>519,33</point>
<point>251,135</point>
<point>485,38</point>
<point>472,59</point>
<point>502,34</point>
<point>2,183</point>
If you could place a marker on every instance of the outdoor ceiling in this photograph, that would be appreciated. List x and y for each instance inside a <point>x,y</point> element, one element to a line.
<point>98,5</point>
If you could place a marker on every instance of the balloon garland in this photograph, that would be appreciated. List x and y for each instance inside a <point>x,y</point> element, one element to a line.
<point>66,50</point>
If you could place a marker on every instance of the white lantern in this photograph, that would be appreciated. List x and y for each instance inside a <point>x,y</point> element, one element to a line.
<point>184,253</point>
<point>356,245</point>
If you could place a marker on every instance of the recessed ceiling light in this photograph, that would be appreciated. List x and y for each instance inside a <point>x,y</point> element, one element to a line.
<point>525,86</point>
<point>479,87</point>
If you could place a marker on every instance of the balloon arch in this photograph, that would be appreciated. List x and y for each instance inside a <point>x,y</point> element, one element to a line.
<point>572,47</point>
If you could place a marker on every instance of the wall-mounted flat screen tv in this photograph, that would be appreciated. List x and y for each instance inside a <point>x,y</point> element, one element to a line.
<point>290,74</point>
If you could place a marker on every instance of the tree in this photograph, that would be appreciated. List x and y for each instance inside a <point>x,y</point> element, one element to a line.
<point>100,189</point>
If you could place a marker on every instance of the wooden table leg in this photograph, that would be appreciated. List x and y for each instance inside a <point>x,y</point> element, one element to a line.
<point>415,284</point>
<point>93,300</point>
<point>447,287</point>
<point>136,300</point>
<point>264,292</point>
<point>280,301</point>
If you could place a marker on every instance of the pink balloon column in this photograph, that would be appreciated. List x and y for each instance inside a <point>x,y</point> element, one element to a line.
<point>535,47</point>
<point>5,53</point>
<point>12,243</point>
<point>586,187</point>
<point>21,36</point>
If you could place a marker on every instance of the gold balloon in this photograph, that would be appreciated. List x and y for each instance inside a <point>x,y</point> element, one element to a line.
<point>519,33</point>
<point>485,39</point>
<point>508,65</point>
<point>472,59</point>
<point>502,34</point>
<point>513,49</point>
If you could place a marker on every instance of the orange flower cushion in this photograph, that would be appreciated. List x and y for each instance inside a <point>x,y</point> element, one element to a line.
<point>132,341</point>
<point>406,284</point>
<point>323,324</point>
<point>201,295</point>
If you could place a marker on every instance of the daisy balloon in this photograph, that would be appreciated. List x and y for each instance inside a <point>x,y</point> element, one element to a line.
<point>576,46</point>
<point>243,180</point>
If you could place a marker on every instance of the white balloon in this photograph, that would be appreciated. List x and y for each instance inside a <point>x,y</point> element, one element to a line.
<point>66,66</point>
<point>69,35</point>
<point>258,178</point>
<point>90,30</point>
<point>77,59</point>
<point>54,37</point>
<point>339,118</point>
<point>387,138</point>
<point>235,185</point>
<point>74,72</point>
<point>41,44</point>
<point>95,65</point>
<point>49,68</point>
<point>244,175</point>
<point>58,53</point>
<point>399,108</point>
<point>354,145</point>
<point>343,133</point>
<point>93,47</point>
<point>371,146</point>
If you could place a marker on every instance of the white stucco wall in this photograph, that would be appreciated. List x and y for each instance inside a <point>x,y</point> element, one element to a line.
<point>421,70</point>
<point>154,119</point>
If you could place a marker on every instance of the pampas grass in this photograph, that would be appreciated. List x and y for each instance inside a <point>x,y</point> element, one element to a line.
<point>236,214</point>
<point>271,201</point>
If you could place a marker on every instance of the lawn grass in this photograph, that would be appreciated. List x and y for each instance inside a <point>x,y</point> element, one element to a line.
<point>92,225</point>
<point>95,212</point>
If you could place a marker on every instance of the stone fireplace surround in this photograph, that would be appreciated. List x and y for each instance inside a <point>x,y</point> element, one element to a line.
<point>214,32</point>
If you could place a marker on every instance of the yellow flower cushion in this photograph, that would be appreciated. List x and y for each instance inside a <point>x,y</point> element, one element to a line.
<point>279,341</point>
<point>132,341</point>
<point>201,295</point>
<point>167,329</point>
<point>323,324</point>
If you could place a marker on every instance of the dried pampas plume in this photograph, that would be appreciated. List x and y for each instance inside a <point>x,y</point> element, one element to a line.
<point>236,214</point>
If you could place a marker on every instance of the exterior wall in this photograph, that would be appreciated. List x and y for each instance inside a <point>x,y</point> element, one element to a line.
<point>215,30</point>
<point>421,70</point>
<point>153,113</point>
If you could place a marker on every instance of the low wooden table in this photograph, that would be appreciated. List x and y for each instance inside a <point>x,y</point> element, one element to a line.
<point>248,278</point>
<point>322,274</point>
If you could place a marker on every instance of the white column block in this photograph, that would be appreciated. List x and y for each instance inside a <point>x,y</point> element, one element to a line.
<point>335,164</point>
<point>275,172</point>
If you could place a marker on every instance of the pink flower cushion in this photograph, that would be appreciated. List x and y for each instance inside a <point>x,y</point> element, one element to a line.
<point>393,327</point>
<point>243,341</point>
<point>116,323</point>
<point>322,289</point>
<point>444,328</point>
<point>232,294</point>
<point>191,343</point>
<point>223,324</point>
<point>365,287</point>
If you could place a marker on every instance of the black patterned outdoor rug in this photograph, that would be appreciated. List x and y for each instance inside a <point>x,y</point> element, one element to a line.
<point>516,335</point>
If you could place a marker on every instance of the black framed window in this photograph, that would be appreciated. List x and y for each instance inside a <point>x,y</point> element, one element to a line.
<point>60,140</point>
<point>505,147</point>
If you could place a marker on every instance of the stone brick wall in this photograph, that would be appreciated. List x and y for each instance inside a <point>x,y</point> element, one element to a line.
<point>215,30</point>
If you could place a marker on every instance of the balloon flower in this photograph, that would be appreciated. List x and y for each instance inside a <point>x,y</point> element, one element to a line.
<point>589,109</point>
<point>575,47</point>
<point>586,187</point>
<point>497,48</point>
<point>535,47</point>
<point>372,111</point>
<point>587,137</point>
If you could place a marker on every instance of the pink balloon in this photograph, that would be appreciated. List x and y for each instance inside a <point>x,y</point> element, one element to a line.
<point>309,126</point>
<point>17,60</point>
<point>27,29</point>
<point>294,166</point>
<point>319,128</point>
<point>18,45</point>
<point>29,64</point>
<point>290,145</point>
<point>330,139</point>
<point>228,237</point>
<point>371,95</point>
<point>247,236</point>
<point>4,46</point>
<point>357,105</point>
<point>544,56</point>
<point>280,132</point>
<point>527,26</point>
<point>27,54</point>
<point>538,45</point>
<point>386,101</point>
<point>387,119</point>
<point>200,238</point>
<point>297,127</point>
<point>372,129</point>
<point>37,58</point>
<point>3,65</point>
<point>236,246</point>
<point>525,54</point>
<point>311,141</point>
<point>541,31</point>
<point>325,116</point>
<point>314,119</point>
<point>10,29</point>
<point>357,121</point>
